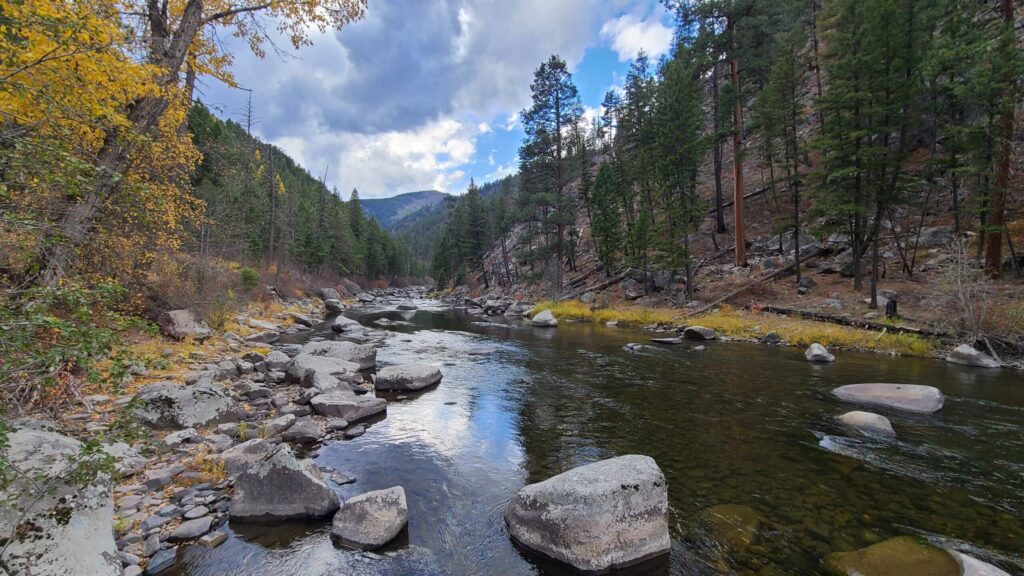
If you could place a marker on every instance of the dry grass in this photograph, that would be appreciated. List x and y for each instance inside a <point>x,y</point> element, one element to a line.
<point>745,324</point>
<point>212,469</point>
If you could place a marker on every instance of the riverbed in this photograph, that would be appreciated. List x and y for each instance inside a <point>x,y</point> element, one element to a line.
<point>734,423</point>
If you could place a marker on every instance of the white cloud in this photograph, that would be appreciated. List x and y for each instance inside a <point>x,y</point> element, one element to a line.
<point>484,128</point>
<point>629,34</point>
<point>510,123</point>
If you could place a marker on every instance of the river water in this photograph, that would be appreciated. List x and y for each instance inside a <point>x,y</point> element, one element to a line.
<point>734,424</point>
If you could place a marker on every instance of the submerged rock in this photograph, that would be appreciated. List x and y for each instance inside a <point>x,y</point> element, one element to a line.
<point>371,520</point>
<point>899,556</point>
<point>281,487</point>
<point>364,355</point>
<point>909,397</point>
<point>545,319</point>
<point>818,353</point>
<point>605,515</point>
<point>731,526</point>
<point>172,405</point>
<point>867,423</point>
<point>699,333</point>
<point>69,529</point>
<point>967,355</point>
<point>407,377</point>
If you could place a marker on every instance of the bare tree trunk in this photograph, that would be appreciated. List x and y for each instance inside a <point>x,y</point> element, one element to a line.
<point>719,216</point>
<point>997,208</point>
<point>737,150</point>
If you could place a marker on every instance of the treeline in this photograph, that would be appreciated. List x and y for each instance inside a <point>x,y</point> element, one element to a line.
<point>868,115</point>
<point>260,206</point>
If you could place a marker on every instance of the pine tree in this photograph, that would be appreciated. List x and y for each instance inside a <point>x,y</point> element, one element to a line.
<point>607,223</point>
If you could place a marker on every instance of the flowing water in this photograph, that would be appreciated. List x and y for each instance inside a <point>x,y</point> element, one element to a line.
<point>734,424</point>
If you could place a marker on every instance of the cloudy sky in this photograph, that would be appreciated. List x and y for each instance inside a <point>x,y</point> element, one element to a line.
<point>425,94</point>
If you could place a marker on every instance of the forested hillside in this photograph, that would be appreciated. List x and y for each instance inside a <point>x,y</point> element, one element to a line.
<point>863,123</point>
<point>390,212</point>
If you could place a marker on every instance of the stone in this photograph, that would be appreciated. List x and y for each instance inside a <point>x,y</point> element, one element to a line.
<point>336,425</point>
<point>257,392</point>
<point>364,355</point>
<point>771,338</point>
<point>304,431</point>
<point>668,341</point>
<point>329,293</point>
<point>334,306</point>
<point>191,529</point>
<point>71,527</point>
<point>601,516</point>
<point>171,405</point>
<point>153,522</point>
<point>264,337</point>
<point>181,324</point>
<point>544,319</point>
<point>263,325</point>
<point>180,437</point>
<point>407,305</point>
<point>365,298</point>
<point>213,539</point>
<point>405,377</point>
<point>281,487</point>
<point>867,424</point>
<point>276,360</point>
<point>806,282</point>
<point>818,353</point>
<point>699,333</point>
<point>345,324</point>
<point>129,459</point>
<point>908,397</point>
<point>345,404</point>
<point>899,556</point>
<point>280,424</point>
<point>970,566</point>
<point>482,350</point>
<point>132,570</point>
<point>321,372</point>
<point>355,432</point>
<point>197,512</point>
<point>371,520</point>
<point>151,545</point>
<point>162,561</point>
<point>239,458</point>
<point>967,355</point>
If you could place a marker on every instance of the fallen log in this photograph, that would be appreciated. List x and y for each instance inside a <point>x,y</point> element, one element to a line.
<point>852,322</point>
<point>601,286</point>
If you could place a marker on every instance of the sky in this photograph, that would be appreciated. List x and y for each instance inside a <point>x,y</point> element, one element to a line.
<point>424,95</point>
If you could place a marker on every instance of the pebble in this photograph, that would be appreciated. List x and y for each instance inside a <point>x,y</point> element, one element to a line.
<point>151,545</point>
<point>197,512</point>
<point>355,431</point>
<point>213,539</point>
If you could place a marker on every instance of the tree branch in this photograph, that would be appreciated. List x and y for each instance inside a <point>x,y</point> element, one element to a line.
<point>234,11</point>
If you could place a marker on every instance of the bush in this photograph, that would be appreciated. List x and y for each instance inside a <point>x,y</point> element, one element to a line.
<point>250,278</point>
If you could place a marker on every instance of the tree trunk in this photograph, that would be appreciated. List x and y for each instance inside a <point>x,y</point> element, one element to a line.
<point>717,149</point>
<point>997,208</point>
<point>737,149</point>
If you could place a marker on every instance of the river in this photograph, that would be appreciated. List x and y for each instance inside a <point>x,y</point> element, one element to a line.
<point>733,424</point>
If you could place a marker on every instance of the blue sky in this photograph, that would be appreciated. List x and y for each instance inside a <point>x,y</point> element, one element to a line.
<point>425,95</point>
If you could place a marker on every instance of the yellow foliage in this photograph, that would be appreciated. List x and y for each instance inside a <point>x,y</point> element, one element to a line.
<point>631,315</point>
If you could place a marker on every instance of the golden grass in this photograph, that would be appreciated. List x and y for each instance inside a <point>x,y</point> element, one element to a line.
<point>212,469</point>
<point>749,325</point>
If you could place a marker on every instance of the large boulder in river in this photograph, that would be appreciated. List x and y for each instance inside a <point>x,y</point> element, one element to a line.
<point>364,355</point>
<point>321,372</point>
<point>967,355</point>
<point>240,457</point>
<point>371,520</point>
<point>334,306</point>
<point>281,487</point>
<point>908,397</point>
<point>598,517</point>
<point>342,403</point>
<point>699,333</point>
<point>66,529</point>
<point>345,324</point>
<point>899,556</point>
<point>545,319</point>
<point>407,377</point>
<point>173,405</point>
<point>407,305</point>
<point>181,324</point>
<point>818,353</point>
<point>867,424</point>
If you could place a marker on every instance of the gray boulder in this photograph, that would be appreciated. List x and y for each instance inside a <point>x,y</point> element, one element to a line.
<point>304,431</point>
<point>70,528</point>
<point>276,360</point>
<point>371,520</point>
<point>345,324</point>
<point>181,324</point>
<point>602,516</point>
<point>867,424</point>
<point>238,459</point>
<point>334,306</point>
<point>172,405</point>
<point>818,353</point>
<point>161,561</point>
<point>344,404</point>
<point>191,529</point>
<point>329,294</point>
<point>407,377</point>
<point>365,355</point>
<point>908,397</point>
<point>407,305</point>
<point>545,319</point>
<point>281,487</point>
<point>699,333</point>
<point>967,355</point>
<point>321,372</point>
<point>264,337</point>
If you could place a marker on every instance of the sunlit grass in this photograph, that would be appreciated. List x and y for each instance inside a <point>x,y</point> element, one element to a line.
<point>750,325</point>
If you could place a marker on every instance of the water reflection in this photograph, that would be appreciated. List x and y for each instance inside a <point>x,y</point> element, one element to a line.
<point>733,424</point>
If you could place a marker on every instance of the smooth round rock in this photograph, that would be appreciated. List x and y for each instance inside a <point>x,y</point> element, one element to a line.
<point>908,397</point>
<point>867,423</point>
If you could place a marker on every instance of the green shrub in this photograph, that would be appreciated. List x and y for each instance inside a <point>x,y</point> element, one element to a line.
<point>250,277</point>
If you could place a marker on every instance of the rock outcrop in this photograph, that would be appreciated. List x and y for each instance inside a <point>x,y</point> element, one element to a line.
<point>173,405</point>
<point>363,355</point>
<point>602,516</point>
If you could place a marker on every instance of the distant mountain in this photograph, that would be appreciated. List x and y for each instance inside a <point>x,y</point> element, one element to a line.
<point>389,212</point>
